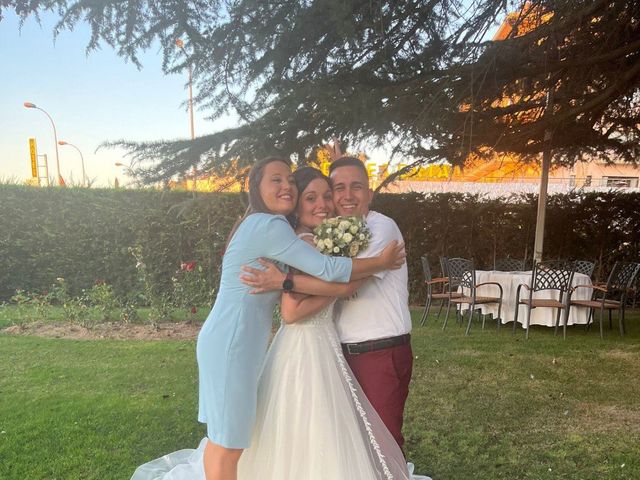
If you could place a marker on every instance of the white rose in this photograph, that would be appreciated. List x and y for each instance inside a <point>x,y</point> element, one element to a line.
<point>353,229</point>
<point>339,234</point>
<point>336,250</point>
<point>328,243</point>
<point>329,230</point>
<point>344,225</point>
<point>361,236</point>
<point>347,237</point>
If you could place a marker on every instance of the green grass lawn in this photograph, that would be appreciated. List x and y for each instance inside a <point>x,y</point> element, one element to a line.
<point>488,406</point>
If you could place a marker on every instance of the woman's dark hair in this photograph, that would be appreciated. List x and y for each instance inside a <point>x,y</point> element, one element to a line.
<point>303,177</point>
<point>256,203</point>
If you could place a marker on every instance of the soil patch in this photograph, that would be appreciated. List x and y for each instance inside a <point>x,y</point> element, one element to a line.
<point>596,418</point>
<point>109,330</point>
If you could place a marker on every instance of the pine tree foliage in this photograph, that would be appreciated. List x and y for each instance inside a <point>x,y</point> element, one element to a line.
<point>420,77</point>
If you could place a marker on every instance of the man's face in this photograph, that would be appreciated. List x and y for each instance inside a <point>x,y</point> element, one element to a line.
<point>351,192</point>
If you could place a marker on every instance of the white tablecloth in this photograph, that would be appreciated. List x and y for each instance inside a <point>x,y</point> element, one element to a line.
<point>539,316</point>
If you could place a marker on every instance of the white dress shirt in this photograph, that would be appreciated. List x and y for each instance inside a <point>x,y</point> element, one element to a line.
<point>380,307</point>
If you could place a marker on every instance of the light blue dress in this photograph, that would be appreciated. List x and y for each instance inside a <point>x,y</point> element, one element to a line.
<point>233,341</point>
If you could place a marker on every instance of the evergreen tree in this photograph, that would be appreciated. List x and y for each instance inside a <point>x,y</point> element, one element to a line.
<point>422,77</point>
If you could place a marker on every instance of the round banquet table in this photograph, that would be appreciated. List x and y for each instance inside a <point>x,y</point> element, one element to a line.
<point>539,316</point>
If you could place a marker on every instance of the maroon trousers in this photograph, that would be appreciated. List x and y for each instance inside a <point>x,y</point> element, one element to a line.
<point>384,376</point>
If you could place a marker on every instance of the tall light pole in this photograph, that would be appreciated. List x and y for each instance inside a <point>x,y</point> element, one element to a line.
<point>55,136</point>
<point>180,45</point>
<point>84,175</point>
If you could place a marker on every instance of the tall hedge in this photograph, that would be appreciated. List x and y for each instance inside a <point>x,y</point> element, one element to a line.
<point>85,235</point>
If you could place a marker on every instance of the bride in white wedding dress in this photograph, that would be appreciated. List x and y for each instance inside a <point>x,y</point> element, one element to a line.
<point>313,420</point>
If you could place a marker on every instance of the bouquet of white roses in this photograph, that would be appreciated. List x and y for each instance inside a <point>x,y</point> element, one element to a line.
<point>342,236</point>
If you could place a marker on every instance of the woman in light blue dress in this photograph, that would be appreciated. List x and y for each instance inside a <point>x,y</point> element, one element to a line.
<point>233,341</point>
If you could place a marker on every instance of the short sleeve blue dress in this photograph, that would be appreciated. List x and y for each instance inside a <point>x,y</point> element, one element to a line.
<point>233,341</point>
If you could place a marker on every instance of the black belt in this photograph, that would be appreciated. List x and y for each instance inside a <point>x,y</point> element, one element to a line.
<point>373,345</point>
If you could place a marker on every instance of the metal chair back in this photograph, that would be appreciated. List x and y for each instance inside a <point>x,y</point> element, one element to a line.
<point>622,276</point>
<point>585,267</point>
<point>426,269</point>
<point>509,265</point>
<point>461,273</point>
<point>552,275</point>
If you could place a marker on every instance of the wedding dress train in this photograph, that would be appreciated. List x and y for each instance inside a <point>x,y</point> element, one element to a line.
<point>313,420</point>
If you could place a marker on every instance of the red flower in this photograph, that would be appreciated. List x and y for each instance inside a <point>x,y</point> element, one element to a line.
<point>193,310</point>
<point>188,267</point>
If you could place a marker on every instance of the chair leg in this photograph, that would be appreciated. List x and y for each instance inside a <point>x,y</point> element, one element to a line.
<point>425,314</point>
<point>515,317</point>
<point>610,321</point>
<point>589,319</point>
<point>482,317</point>
<point>440,309</point>
<point>621,320</point>
<point>555,330</point>
<point>446,317</point>
<point>471,308</point>
<point>526,335</point>
<point>500,314</point>
<point>566,321</point>
<point>601,315</point>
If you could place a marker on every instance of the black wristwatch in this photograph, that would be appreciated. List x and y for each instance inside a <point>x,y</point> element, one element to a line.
<point>287,284</point>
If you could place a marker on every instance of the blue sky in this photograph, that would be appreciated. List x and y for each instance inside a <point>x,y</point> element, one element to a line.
<point>92,98</point>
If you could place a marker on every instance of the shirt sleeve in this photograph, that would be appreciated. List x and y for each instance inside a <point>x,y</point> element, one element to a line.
<point>282,244</point>
<point>383,231</point>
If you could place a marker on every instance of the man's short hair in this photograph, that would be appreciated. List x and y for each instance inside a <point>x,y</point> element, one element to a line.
<point>348,162</point>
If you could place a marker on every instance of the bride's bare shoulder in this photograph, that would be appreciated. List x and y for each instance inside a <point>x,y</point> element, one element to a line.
<point>307,237</point>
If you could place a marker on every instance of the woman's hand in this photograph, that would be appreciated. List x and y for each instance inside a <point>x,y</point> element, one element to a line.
<point>393,256</point>
<point>261,281</point>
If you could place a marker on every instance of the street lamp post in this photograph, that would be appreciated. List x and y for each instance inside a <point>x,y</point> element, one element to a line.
<point>180,45</point>
<point>84,175</point>
<point>55,136</point>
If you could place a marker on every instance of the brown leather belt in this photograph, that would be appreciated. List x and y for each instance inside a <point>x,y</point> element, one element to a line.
<point>373,345</point>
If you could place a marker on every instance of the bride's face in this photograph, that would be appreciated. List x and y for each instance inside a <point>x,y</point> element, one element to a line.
<point>315,204</point>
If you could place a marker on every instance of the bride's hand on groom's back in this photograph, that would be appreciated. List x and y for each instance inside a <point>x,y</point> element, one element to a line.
<point>393,255</point>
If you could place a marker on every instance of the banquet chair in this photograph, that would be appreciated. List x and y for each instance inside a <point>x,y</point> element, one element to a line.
<point>549,275</point>
<point>585,267</point>
<point>620,280</point>
<point>508,265</point>
<point>462,277</point>
<point>431,283</point>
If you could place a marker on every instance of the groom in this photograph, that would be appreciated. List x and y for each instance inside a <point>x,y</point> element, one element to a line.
<point>375,324</point>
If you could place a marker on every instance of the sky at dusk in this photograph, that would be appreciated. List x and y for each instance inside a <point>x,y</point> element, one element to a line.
<point>92,98</point>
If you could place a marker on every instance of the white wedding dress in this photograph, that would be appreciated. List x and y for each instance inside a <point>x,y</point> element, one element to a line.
<point>313,420</point>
